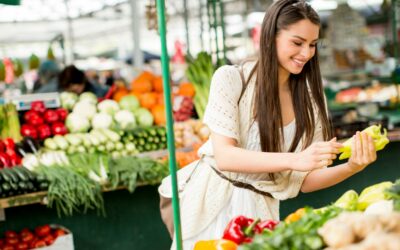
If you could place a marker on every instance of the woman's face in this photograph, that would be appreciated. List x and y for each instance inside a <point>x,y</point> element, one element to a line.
<point>77,88</point>
<point>296,45</point>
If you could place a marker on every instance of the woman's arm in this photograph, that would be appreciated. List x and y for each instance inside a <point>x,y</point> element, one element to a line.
<point>361,157</point>
<point>231,158</point>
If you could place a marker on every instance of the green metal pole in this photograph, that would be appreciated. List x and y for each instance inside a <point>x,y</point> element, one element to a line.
<point>222,14</point>
<point>185,15</point>
<point>394,31</point>
<point>170,129</point>
<point>215,24</point>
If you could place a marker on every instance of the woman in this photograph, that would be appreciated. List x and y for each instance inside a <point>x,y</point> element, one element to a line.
<point>270,142</point>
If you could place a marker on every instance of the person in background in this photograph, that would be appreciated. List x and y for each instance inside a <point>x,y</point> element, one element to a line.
<point>74,80</point>
<point>47,77</point>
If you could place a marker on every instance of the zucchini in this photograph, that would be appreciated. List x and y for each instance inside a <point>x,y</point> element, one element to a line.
<point>147,147</point>
<point>44,186</point>
<point>31,175</point>
<point>6,177</point>
<point>6,189</point>
<point>12,174</point>
<point>30,187</point>
<point>21,175</point>
<point>22,186</point>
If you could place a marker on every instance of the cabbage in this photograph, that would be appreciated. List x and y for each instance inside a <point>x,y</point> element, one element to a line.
<point>88,97</point>
<point>85,109</point>
<point>125,119</point>
<point>77,123</point>
<point>102,120</point>
<point>108,106</point>
<point>129,102</point>
<point>373,194</point>
<point>144,117</point>
<point>348,200</point>
<point>68,100</point>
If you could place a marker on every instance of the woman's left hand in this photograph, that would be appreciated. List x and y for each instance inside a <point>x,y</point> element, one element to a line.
<point>363,152</point>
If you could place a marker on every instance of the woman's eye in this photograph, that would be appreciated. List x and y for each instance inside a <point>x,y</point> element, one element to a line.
<point>297,43</point>
<point>313,45</point>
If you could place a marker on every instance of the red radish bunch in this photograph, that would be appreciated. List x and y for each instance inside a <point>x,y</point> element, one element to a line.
<point>42,236</point>
<point>40,123</point>
<point>183,108</point>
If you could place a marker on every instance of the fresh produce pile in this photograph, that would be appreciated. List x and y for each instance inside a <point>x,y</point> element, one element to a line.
<point>9,122</point>
<point>8,155</point>
<point>190,132</point>
<point>41,123</point>
<point>76,181</point>
<point>366,221</point>
<point>41,236</point>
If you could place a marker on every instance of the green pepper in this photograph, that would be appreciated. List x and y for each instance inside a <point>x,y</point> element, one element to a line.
<point>380,140</point>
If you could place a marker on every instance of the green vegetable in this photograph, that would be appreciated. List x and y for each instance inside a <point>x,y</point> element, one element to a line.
<point>348,200</point>
<point>301,234</point>
<point>77,123</point>
<point>68,100</point>
<point>380,141</point>
<point>88,97</point>
<point>108,106</point>
<point>144,117</point>
<point>373,194</point>
<point>129,102</point>
<point>102,120</point>
<point>393,193</point>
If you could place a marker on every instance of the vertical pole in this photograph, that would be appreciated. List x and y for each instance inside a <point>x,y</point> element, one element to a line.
<point>222,13</point>
<point>201,24</point>
<point>185,15</point>
<point>170,130</point>
<point>215,25</point>
<point>71,41</point>
<point>394,30</point>
<point>210,25</point>
<point>137,56</point>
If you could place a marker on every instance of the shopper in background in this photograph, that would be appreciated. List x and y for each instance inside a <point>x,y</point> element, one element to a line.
<point>47,77</point>
<point>270,141</point>
<point>74,80</point>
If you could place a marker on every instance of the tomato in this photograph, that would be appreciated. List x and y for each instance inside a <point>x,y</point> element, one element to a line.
<point>12,241</point>
<point>37,243</point>
<point>49,239</point>
<point>62,114</point>
<point>42,231</point>
<point>51,116</point>
<point>27,236</point>
<point>22,246</point>
<point>38,106</point>
<point>59,232</point>
<point>8,247</point>
<point>1,242</point>
<point>10,234</point>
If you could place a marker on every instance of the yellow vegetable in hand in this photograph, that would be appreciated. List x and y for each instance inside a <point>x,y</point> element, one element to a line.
<point>380,141</point>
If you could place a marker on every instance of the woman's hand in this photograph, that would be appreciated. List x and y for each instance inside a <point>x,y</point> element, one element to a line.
<point>363,152</point>
<point>317,155</point>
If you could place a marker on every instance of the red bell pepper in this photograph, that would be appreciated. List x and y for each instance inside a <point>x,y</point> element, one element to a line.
<point>9,143</point>
<point>4,160</point>
<point>2,146</point>
<point>38,106</point>
<point>51,116</point>
<point>266,224</point>
<point>62,114</point>
<point>240,229</point>
<point>13,157</point>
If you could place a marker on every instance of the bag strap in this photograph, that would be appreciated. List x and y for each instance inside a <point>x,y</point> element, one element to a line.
<point>190,175</point>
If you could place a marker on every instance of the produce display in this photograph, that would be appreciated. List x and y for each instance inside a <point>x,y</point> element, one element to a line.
<point>370,220</point>
<point>39,237</point>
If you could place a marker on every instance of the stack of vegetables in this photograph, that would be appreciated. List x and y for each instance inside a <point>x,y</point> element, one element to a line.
<point>41,123</point>
<point>200,71</point>
<point>9,122</point>
<point>190,132</point>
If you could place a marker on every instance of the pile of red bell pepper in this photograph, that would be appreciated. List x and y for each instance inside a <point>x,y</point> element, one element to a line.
<point>8,156</point>
<point>41,123</point>
<point>42,236</point>
<point>242,229</point>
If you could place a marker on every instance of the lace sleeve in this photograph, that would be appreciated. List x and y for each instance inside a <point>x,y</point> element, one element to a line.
<point>222,112</point>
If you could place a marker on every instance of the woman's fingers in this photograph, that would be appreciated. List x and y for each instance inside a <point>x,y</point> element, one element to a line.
<point>365,146</point>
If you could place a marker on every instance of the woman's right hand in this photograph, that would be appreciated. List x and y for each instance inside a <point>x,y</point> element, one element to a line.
<point>317,155</point>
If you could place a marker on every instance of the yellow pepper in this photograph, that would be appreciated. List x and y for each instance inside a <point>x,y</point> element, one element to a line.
<point>215,245</point>
<point>295,216</point>
<point>380,141</point>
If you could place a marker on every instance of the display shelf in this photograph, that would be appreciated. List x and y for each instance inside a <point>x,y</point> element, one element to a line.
<point>41,197</point>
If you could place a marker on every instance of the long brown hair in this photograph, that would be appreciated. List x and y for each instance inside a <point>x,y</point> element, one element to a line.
<point>267,110</point>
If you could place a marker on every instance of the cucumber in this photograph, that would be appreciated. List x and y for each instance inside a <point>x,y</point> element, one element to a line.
<point>30,187</point>
<point>147,147</point>
<point>12,174</point>
<point>154,147</point>
<point>22,186</point>
<point>31,175</point>
<point>43,186</point>
<point>21,175</point>
<point>6,187</point>
<point>6,177</point>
